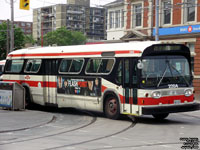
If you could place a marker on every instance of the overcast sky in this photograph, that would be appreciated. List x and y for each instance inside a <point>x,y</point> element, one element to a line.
<point>26,15</point>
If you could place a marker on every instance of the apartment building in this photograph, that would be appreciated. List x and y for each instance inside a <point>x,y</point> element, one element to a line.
<point>179,22</point>
<point>26,27</point>
<point>76,15</point>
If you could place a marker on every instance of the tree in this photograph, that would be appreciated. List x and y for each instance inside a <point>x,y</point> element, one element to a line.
<point>3,32</point>
<point>19,38</point>
<point>29,40</point>
<point>63,37</point>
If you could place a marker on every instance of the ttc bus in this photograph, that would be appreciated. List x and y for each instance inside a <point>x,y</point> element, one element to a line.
<point>138,78</point>
<point>2,64</point>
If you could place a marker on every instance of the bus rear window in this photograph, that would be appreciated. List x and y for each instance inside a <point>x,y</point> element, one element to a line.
<point>14,66</point>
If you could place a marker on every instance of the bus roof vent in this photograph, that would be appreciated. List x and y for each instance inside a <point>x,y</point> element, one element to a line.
<point>108,54</point>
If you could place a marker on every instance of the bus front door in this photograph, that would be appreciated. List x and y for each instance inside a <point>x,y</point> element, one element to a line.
<point>130,86</point>
<point>50,82</point>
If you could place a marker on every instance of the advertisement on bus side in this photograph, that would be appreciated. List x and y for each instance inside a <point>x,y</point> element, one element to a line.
<point>85,87</point>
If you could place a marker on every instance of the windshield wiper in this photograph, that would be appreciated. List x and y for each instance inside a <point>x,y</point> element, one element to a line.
<point>171,66</point>
<point>162,76</point>
<point>180,74</point>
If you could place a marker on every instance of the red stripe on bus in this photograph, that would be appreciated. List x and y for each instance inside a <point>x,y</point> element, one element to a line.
<point>71,54</point>
<point>122,99</point>
<point>35,83</point>
<point>103,88</point>
<point>164,100</point>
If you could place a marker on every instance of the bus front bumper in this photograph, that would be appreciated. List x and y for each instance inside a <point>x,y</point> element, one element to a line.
<point>170,109</point>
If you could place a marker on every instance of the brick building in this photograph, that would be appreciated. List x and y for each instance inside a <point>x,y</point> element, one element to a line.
<point>25,26</point>
<point>179,22</point>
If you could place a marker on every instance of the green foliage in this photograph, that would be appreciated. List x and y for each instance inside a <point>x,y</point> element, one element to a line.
<point>63,37</point>
<point>3,31</point>
<point>29,39</point>
<point>19,38</point>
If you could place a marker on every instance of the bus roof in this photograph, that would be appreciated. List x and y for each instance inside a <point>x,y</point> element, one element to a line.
<point>132,49</point>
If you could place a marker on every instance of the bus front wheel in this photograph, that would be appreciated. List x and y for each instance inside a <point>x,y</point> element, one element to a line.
<point>111,108</point>
<point>160,116</point>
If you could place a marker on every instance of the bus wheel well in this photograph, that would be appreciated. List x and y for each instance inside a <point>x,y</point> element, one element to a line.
<point>111,107</point>
<point>27,96</point>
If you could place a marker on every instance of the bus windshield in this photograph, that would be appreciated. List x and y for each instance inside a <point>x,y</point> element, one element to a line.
<point>165,71</point>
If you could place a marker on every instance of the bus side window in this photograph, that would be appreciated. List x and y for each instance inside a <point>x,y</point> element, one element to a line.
<point>8,66</point>
<point>14,66</point>
<point>100,66</point>
<point>106,65</point>
<point>65,65</point>
<point>126,71</point>
<point>33,65</point>
<point>93,65</point>
<point>134,72</point>
<point>96,63</point>
<point>28,66</point>
<point>119,73</point>
<point>90,66</point>
<point>36,65</point>
<point>71,65</point>
<point>76,65</point>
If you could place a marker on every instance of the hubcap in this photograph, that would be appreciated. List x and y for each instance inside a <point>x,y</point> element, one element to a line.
<point>112,106</point>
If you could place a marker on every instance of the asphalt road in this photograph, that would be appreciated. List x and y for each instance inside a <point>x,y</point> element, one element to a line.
<point>70,129</point>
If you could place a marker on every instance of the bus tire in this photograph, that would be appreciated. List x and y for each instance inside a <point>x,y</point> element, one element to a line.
<point>111,107</point>
<point>160,116</point>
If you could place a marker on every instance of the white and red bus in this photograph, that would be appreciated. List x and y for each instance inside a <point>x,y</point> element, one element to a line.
<point>2,64</point>
<point>139,78</point>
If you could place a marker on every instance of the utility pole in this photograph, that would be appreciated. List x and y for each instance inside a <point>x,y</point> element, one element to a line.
<point>12,27</point>
<point>157,21</point>
<point>8,37</point>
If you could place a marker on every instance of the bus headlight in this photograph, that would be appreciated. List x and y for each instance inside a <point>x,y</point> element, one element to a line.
<point>156,94</point>
<point>188,92</point>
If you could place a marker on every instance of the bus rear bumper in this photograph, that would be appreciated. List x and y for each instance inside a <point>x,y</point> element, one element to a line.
<point>170,109</point>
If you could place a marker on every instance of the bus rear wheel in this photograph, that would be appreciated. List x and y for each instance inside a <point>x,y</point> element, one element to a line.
<point>27,98</point>
<point>111,108</point>
<point>160,116</point>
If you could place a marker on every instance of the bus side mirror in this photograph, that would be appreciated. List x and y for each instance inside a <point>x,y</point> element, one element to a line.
<point>140,65</point>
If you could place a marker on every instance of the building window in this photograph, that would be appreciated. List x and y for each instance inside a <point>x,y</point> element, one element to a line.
<point>22,24</point>
<point>28,24</point>
<point>166,5</point>
<point>122,18</point>
<point>111,20</point>
<point>117,19</point>
<point>190,10</point>
<point>137,15</point>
